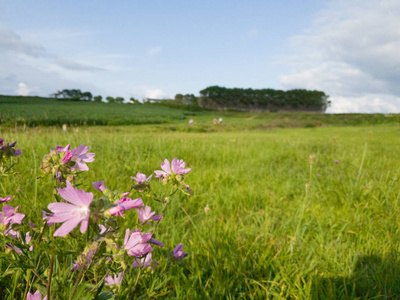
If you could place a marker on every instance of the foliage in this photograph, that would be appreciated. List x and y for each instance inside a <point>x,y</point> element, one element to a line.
<point>110,99</point>
<point>185,99</point>
<point>263,99</point>
<point>134,101</point>
<point>97,98</point>
<point>74,94</point>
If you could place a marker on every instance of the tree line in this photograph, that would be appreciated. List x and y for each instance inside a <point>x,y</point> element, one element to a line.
<point>78,95</point>
<point>263,99</point>
<point>216,97</point>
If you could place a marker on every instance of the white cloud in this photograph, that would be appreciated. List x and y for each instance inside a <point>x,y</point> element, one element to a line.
<point>351,53</point>
<point>23,89</point>
<point>12,42</point>
<point>76,66</point>
<point>28,68</point>
<point>365,104</point>
<point>155,93</point>
<point>154,51</point>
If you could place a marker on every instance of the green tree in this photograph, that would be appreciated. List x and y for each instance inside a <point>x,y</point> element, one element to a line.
<point>134,101</point>
<point>119,100</point>
<point>179,98</point>
<point>110,99</point>
<point>189,99</point>
<point>266,99</point>
<point>98,98</point>
<point>87,96</point>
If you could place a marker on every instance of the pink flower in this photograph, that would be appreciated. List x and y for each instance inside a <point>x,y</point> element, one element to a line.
<point>114,280</point>
<point>178,253</point>
<point>99,185</point>
<point>176,167</point>
<point>135,243</point>
<point>103,229</point>
<point>10,215</point>
<point>60,149</point>
<point>144,262</point>
<point>141,178</point>
<point>156,242</point>
<point>17,152</point>
<point>8,149</point>
<point>35,296</point>
<point>2,200</point>
<point>67,157</point>
<point>46,216</point>
<point>71,214</point>
<point>27,241</point>
<point>125,204</point>
<point>80,157</point>
<point>146,215</point>
<point>337,161</point>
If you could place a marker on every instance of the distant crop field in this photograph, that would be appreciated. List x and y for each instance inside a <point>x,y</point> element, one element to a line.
<point>280,225</point>
<point>32,111</point>
<point>36,111</point>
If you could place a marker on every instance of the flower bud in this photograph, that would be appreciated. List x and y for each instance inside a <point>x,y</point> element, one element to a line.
<point>70,177</point>
<point>58,175</point>
<point>94,247</point>
<point>46,167</point>
<point>107,214</point>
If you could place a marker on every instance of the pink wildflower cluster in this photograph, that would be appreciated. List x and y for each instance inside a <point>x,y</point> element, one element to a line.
<point>141,178</point>
<point>62,161</point>
<point>10,215</point>
<point>78,156</point>
<point>100,219</point>
<point>177,167</point>
<point>146,215</point>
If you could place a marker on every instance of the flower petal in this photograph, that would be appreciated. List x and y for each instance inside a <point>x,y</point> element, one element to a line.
<point>67,227</point>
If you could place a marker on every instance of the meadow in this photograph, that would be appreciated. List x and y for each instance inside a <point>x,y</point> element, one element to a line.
<point>38,112</point>
<point>280,225</point>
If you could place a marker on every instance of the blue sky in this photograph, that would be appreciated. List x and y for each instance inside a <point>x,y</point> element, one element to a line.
<point>349,49</point>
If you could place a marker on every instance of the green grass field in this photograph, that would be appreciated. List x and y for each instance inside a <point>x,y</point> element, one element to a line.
<point>32,111</point>
<point>36,111</point>
<point>266,236</point>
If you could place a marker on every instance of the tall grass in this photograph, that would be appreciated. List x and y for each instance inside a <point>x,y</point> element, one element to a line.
<point>265,236</point>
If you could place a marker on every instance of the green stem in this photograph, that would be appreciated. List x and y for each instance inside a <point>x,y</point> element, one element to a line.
<point>4,191</point>
<point>162,214</point>
<point>137,278</point>
<point>28,286</point>
<point>50,275</point>
<point>77,282</point>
